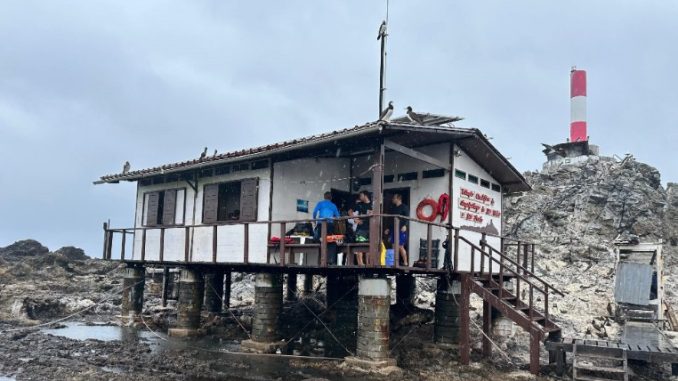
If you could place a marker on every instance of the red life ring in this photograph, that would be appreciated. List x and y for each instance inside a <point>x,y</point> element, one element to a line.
<point>434,210</point>
<point>443,206</point>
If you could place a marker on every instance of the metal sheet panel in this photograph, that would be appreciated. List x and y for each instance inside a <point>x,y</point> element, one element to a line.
<point>633,283</point>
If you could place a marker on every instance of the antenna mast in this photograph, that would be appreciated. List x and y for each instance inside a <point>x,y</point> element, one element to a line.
<point>382,36</point>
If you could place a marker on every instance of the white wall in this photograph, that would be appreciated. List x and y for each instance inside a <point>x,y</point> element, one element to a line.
<point>305,179</point>
<point>466,164</point>
<point>230,237</point>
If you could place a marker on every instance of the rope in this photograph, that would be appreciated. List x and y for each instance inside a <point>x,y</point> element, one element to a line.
<point>233,315</point>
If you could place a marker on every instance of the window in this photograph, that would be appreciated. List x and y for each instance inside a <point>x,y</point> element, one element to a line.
<point>261,164</point>
<point>389,178</point>
<point>431,173</point>
<point>485,184</point>
<point>164,208</point>
<point>496,187</point>
<point>230,201</point>
<point>473,179</point>
<point>409,176</point>
<point>460,174</point>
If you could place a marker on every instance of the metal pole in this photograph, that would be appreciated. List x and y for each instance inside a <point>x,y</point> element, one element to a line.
<point>381,74</point>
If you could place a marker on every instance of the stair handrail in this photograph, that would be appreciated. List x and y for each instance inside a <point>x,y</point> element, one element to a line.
<point>482,252</point>
<point>524,270</point>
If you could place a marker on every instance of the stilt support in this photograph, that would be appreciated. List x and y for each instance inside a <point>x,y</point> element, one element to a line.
<point>267,307</point>
<point>189,305</point>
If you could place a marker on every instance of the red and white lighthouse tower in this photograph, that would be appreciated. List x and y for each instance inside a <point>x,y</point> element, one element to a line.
<point>578,131</point>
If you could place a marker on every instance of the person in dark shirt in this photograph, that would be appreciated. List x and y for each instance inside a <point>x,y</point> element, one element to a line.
<point>400,209</point>
<point>362,231</point>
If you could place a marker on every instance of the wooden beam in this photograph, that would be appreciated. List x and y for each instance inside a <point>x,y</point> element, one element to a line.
<point>416,155</point>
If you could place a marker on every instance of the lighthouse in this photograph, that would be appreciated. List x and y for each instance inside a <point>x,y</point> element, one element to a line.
<point>576,147</point>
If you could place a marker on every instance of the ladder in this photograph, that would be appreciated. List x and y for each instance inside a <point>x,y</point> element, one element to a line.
<point>599,364</point>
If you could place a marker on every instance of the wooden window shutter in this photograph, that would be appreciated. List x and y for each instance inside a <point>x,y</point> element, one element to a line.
<point>248,199</point>
<point>169,207</point>
<point>152,208</point>
<point>210,204</point>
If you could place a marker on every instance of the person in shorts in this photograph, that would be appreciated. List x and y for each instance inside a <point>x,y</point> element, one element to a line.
<point>362,231</point>
<point>400,209</point>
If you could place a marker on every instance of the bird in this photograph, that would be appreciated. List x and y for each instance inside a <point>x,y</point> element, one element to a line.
<point>382,30</point>
<point>125,168</point>
<point>386,114</point>
<point>203,154</point>
<point>414,117</point>
<point>215,153</point>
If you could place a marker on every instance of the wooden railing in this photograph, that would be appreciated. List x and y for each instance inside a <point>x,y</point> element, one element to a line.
<point>524,250</point>
<point>515,271</point>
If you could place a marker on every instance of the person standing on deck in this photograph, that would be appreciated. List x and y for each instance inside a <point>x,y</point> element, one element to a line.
<point>362,233</point>
<point>325,210</point>
<point>400,209</point>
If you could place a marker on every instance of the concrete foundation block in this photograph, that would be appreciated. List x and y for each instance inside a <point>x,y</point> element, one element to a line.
<point>133,292</point>
<point>252,346</point>
<point>368,364</point>
<point>184,332</point>
<point>189,304</point>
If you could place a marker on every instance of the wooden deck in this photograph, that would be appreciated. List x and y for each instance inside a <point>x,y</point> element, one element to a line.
<point>647,353</point>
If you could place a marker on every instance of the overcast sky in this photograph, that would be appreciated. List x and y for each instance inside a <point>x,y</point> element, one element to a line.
<point>86,85</point>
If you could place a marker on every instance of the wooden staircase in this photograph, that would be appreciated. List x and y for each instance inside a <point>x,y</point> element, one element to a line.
<point>518,303</point>
<point>610,365</point>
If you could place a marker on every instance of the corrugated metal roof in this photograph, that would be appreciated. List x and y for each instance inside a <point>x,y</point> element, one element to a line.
<point>495,163</point>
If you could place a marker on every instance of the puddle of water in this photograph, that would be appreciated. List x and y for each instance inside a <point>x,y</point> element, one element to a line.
<point>2,378</point>
<point>80,331</point>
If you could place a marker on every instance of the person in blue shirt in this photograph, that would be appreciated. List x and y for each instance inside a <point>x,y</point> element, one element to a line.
<point>325,210</point>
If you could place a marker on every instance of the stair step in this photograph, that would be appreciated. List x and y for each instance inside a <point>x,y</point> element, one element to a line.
<point>591,378</point>
<point>601,356</point>
<point>605,369</point>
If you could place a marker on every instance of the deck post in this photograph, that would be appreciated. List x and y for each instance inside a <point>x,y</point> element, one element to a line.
<point>446,328</point>
<point>487,328</point>
<point>534,352</point>
<point>292,287</point>
<point>165,285</point>
<point>267,308</point>
<point>308,284</point>
<point>214,291</point>
<point>465,320</point>
<point>133,293</point>
<point>372,350</point>
<point>377,201</point>
<point>227,290</point>
<point>406,286</point>
<point>191,295</point>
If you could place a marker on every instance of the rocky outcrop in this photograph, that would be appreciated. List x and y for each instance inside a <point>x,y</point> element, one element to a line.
<point>574,213</point>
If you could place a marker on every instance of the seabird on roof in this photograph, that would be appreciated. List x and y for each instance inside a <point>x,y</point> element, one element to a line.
<point>386,114</point>
<point>125,168</point>
<point>382,30</point>
<point>203,155</point>
<point>414,117</point>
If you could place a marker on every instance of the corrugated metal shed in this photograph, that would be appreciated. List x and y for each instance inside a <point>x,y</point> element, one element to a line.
<point>633,283</point>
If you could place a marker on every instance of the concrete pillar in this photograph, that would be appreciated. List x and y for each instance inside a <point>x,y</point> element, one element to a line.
<point>447,323</point>
<point>191,294</point>
<point>133,292</point>
<point>308,284</point>
<point>267,307</point>
<point>214,291</point>
<point>227,290</point>
<point>292,287</point>
<point>372,350</point>
<point>406,286</point>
